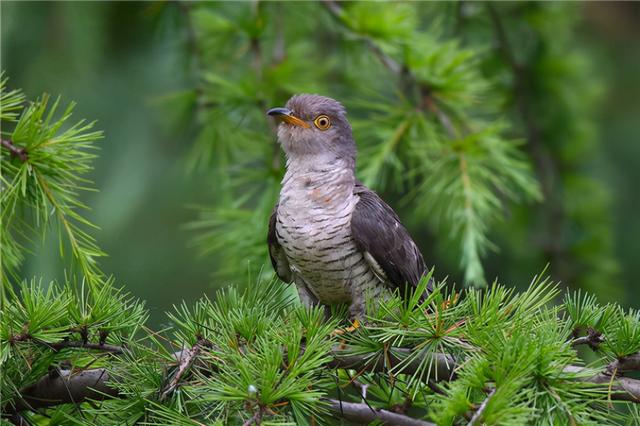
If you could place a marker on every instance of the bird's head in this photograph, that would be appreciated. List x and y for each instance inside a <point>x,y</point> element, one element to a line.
<point>315,128</point>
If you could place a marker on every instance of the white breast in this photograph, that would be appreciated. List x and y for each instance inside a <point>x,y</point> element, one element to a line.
<point>314,229</point>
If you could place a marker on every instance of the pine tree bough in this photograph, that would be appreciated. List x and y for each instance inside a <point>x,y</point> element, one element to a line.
<point>363,413</point>
<point>66,386</point>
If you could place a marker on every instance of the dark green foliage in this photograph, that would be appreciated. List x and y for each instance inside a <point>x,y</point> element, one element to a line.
<point>41,186</point>
<point>445,114</point>
<point>259,354</point>
<point>38,321</point>
<point>417,103</point>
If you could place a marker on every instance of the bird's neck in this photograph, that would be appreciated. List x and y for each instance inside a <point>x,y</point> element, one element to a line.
<point>326,180</point>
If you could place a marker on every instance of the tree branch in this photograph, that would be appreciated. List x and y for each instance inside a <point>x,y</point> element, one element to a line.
<point>622,389</point>
<point>15,151</point>
<point>443,364</point>
<point>186,359</point>
<point>627,363</point>
<point>478,414</point>
<point>593,338</point>
<point>66,344</point>
<point>364,414</point>
<point>77,386</point>
<point>64,387</point>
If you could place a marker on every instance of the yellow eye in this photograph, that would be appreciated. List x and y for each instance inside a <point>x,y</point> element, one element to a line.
<point>322,122</point>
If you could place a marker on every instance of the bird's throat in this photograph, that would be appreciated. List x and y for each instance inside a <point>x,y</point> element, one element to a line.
<point>321,186</point>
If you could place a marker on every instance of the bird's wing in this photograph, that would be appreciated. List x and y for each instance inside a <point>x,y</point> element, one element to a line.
<point>278,257</point>
<point>385,242</point>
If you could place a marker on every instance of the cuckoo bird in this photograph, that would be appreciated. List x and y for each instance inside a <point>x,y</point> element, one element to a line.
<point>331,235</point>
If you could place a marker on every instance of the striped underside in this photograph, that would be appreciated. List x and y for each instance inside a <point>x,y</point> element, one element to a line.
<point>314,229</point>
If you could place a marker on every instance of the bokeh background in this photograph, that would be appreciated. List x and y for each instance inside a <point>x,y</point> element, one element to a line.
<point>150,73</point>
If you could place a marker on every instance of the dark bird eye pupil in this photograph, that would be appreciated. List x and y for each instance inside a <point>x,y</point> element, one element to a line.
<point>322,122</point>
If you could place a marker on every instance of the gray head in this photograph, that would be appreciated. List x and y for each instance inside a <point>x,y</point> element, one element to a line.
<point>315,128</point>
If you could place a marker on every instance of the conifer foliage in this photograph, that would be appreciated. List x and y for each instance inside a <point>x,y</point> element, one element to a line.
<point>80,352</point>
<point>463,113</point>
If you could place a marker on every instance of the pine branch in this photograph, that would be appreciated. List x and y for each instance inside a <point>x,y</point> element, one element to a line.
<point>365,414</point>
<point>478,414</point>
<point>186,358</point>
<point>594,339</point>
<point>444,364</point>
<point>627,363</point>
<point>472,190</point>
<point>15,151</point>
<point>69,386</point>
<point>66,387</point>
<point>67,344</point>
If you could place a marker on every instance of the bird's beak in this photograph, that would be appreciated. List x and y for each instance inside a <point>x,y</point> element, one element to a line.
<point>286,115</point>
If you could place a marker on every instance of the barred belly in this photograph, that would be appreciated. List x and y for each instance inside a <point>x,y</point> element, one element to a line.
<point>314,229</point>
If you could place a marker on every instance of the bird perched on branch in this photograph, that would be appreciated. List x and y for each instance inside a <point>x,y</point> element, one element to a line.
<point>331,235</point>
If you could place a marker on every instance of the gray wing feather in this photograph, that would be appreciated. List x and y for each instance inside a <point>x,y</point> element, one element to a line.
<point>379,234</point>
<point>276,252</point>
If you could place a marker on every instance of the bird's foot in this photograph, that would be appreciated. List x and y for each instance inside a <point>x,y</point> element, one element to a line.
<point>353,327</point>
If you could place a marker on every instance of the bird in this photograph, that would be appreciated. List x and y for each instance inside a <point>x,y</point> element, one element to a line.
<point>336,239</point>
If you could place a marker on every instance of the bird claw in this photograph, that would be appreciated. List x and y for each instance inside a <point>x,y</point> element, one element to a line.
<point>353,327</point>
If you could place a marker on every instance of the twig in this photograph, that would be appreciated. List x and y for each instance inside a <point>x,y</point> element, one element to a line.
<point>435,388</point>
<point>69,386</point>
<point>443,364</point>
<point>627,363</point>
<point>478,414</point>
<point>67,344</point>
<point>76,387</point>
<point>256,418</point>
<point>407,78</point>
<point>186,360</point>
<point>18,420</point>
<point>593,338</point>
<point>15,151</point>
<point>363,414</point>
<point>621,388</point>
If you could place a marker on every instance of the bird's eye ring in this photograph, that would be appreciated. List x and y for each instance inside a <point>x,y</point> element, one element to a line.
<point>322,122</point>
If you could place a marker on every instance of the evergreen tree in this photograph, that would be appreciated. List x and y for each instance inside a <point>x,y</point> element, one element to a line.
<point>79,351</point>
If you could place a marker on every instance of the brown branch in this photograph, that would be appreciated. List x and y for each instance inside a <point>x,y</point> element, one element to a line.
<point>15,151</point>
<point>64,387</point>
<point>593,339</point>
<point>186,359</point>
<point>77,386</point>
<point>67,344</point>
<point>478,414</point>
<point>364,414</point>
<point>256,418</point>
<point>442,369</point>
<point>627,363</point>
<point>622,389</point>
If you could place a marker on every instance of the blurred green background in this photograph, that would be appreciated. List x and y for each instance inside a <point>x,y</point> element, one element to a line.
<point>138,69</point>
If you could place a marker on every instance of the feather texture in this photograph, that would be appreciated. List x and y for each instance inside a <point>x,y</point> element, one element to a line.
<point>378,232</point>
